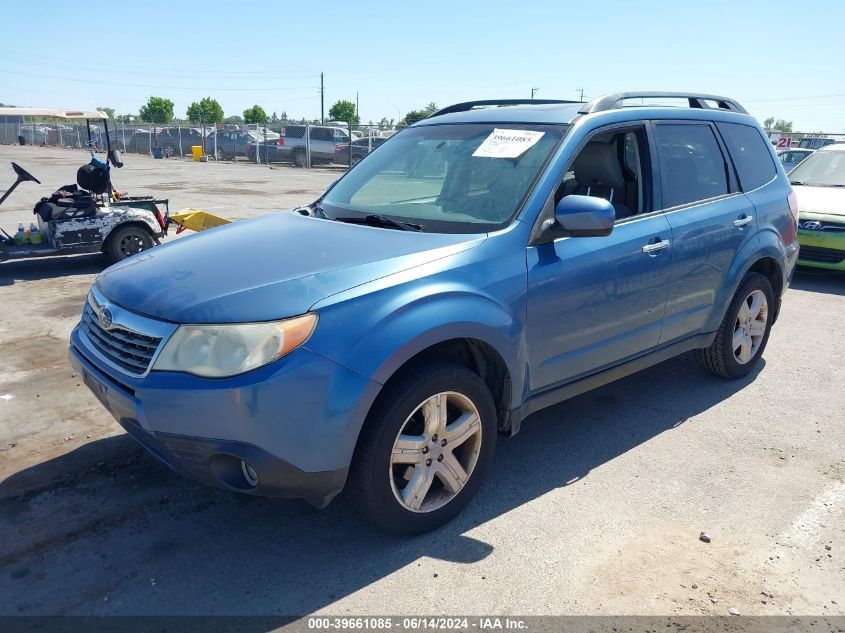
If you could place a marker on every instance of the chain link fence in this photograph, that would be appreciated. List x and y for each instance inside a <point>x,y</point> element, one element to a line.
<point>300,144</point>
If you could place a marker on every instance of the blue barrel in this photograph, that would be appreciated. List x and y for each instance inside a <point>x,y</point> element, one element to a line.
<point>157,153</point>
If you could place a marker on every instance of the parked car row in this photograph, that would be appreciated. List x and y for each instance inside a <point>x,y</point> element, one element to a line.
<point>328,145</point>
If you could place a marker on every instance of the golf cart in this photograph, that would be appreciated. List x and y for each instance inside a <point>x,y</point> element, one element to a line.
<point>89,216</point>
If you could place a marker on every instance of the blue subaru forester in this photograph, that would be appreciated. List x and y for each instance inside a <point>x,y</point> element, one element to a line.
<point>493,259</point>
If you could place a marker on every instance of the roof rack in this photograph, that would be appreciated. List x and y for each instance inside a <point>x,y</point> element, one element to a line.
<point>469,105</point>
<point>614,101</point>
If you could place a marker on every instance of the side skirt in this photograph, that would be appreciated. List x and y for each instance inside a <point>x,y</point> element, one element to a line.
<point>576,388</point>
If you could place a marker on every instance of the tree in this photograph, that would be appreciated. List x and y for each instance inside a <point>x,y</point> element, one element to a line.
<point>418,115</point>
<point>235,118</point>
<point>208,110</point>
<point>777,125</point>
<point>785,127</point>
<point>109,111</point>
<point>255,114</point>
<point>344,110</point>
<point>157,110</point>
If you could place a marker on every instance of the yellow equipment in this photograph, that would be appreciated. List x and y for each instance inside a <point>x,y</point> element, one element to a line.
<point>196,220</point>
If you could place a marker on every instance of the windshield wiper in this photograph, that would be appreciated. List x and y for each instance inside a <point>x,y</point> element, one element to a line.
<point>318,211</point>
<point>374,219</point>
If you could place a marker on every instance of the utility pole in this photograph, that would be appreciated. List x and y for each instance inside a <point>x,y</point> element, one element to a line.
<point>581,91</point>
<point>533,90</point>
<point>322,104</point>
<point>356,104</point>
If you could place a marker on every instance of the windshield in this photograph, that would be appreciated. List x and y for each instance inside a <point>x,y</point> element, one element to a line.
<point>442,178</point>
<point>821,169</point>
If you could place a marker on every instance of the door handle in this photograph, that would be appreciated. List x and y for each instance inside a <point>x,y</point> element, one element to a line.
<point>740,222</point>
<point>656,246</point>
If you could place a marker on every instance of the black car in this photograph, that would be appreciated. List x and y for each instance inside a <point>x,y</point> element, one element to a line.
<point>269,151</point>
<point>360,148</point>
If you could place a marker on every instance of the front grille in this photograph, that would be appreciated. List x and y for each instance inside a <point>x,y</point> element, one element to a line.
<point>816,225</point>
<point>822,255</point>
<point>128,350</point>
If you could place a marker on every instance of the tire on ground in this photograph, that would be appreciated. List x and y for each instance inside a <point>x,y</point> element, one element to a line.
<point>719,358</point>
<point>371,471</point>
<point>128,240</point>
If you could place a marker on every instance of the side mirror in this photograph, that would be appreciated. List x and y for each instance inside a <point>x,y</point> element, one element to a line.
<point>584,216</point>
<point>115,158</point>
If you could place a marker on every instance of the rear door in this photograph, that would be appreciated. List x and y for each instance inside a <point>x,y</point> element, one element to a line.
<point>710,219</point>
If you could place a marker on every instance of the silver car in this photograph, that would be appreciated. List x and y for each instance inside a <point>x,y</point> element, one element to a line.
<point>791,157</point>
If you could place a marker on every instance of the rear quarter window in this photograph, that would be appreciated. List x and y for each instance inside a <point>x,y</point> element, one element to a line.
<point>750,153</point>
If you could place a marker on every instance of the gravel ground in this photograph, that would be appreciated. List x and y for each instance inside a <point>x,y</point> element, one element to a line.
<point>595,507</point>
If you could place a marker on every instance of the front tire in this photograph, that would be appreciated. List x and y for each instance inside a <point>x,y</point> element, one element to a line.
<point>425,448</point>
<point>126,241</point>
<point>744,332</point>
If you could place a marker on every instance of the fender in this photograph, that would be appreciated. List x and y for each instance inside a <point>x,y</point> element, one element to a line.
<point>96,229</point>
<point>383,328</point>
<point>125,215</point>
<point>766,244</point>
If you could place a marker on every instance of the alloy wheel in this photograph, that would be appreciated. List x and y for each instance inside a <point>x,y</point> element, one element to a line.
<point>436,452</point>
<point>750,327</point>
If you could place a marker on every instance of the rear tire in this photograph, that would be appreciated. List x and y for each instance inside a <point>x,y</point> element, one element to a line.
<point>425,448</point>
<point>744,332</point>
<point>299,159</point>
<point>126,241</point>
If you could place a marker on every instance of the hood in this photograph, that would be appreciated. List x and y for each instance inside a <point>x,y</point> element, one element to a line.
<point>266,268</point>
<point>816,202</point>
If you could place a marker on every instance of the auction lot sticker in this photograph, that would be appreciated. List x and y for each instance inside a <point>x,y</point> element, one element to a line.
<point>507,143</point>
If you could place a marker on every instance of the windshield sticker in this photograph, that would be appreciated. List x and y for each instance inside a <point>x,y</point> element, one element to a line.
<point>507,143</point>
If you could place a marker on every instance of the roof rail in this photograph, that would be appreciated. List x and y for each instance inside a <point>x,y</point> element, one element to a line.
<point>614,101</point>
<point>469,105</point>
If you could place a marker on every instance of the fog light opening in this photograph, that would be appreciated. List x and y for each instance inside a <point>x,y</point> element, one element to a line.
<point>249,474</point>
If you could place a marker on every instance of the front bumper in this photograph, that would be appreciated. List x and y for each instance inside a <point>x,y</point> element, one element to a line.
<point>821,249</point>
<point>295,422</point>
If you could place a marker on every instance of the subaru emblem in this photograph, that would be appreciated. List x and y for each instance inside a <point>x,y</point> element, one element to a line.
<point>105,318</point>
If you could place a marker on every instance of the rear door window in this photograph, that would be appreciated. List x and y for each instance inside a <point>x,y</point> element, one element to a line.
<point>692,164</point>
<point>321,134</point>
<point>750,153</point>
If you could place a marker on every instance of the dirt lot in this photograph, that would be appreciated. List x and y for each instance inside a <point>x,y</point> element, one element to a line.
<point>594,508</point>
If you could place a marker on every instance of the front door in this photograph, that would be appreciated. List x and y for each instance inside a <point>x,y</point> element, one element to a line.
<point>596,301</point>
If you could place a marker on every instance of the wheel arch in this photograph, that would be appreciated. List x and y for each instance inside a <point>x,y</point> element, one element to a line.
<point>477,355</point>
<point>154,230</point>
<point>768,261</point>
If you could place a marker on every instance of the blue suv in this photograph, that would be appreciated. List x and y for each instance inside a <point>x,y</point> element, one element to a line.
<point>493,259</point>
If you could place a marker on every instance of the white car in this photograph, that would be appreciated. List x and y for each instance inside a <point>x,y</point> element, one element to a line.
<point>819,184</point>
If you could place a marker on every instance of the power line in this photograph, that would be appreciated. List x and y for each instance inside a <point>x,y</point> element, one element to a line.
<point>162,87</point>
<point>159,69</point>
<point>808,98</point>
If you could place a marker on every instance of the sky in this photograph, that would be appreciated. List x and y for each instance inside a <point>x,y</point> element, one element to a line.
<point>781,59</point>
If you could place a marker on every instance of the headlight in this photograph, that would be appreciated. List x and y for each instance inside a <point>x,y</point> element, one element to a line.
<point>216,351</point>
